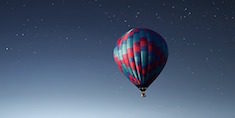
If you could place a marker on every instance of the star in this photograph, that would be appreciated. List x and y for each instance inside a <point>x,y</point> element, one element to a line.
<point>67,38</point>
<point>42,19</point>
<point>35,52</point>
<point>27,20</point>
<point>52,4</point>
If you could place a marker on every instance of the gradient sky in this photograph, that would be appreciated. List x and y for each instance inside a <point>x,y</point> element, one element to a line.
<point>56,59</point>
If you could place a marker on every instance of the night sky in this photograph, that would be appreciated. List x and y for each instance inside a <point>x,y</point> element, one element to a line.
<point>56,59</point>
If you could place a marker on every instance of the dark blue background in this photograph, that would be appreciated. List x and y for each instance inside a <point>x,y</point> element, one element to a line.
<point>56,59</point>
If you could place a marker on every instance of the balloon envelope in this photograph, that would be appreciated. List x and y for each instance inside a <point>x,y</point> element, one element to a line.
<point>141,54</point>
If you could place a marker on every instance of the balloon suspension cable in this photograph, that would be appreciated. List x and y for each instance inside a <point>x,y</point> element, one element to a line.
<point>143,92</point>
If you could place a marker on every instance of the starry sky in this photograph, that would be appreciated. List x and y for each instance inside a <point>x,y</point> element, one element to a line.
<point>56,59</point>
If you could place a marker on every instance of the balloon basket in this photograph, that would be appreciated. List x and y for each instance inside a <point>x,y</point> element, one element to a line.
<point>143,94</point>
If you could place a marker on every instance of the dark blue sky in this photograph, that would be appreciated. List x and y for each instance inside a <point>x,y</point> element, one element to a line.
<point>56,59</point>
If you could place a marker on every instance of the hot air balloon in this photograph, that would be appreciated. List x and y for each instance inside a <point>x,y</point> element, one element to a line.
<point>141,54</point>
